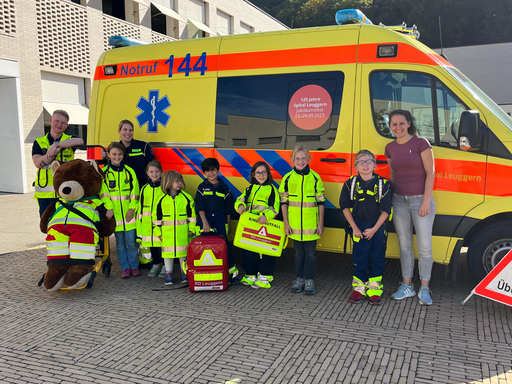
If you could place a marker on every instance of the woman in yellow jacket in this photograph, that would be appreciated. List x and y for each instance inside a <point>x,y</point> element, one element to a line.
<point>303,204</point>
<point>122,188</point>
<point>260,198</point>
<point>174,218</point>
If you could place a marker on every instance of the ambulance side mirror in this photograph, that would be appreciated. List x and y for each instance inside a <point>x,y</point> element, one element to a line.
<point>469,131</point>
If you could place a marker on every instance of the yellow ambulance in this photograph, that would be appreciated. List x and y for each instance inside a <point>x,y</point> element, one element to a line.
<point>252,97</point>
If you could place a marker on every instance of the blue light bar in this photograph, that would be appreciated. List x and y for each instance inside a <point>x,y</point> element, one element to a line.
<point>351,16</point>
<point>123,41</point>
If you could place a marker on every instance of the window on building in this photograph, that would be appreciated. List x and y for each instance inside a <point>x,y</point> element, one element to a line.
<point>115,8</point>
<point>197,20</point>
<point>223,23</point>
<point>164,18</point>
<point>245,28</point>
<point>278,111</point>
<point>158,20</point>
<point>417,93</point>
<point>66,93</point>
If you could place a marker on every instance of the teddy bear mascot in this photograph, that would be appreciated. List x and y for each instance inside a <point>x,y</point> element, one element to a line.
<point>74,224</point>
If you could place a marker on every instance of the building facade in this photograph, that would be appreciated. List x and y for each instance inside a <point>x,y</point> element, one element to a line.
<point>49,50</point>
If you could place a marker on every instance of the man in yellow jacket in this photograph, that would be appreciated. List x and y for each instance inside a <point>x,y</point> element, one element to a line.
<point>55,145</point>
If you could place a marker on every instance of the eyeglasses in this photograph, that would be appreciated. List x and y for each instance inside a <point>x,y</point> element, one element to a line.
<point>264,173</point>
<point>365,162</point>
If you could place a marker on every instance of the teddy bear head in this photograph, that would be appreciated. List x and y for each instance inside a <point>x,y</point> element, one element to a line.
<point>76,179</point>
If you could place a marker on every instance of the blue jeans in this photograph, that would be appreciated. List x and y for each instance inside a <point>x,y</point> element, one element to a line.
<point>406,217</point>
<point>127,251</point>
<point>305,259</point>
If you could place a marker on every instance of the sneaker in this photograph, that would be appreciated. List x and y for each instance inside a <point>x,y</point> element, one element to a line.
<point>309,288</point>
<point>155,270</point>
<point>248,280</point>
<point>184,278</point>
<point>261,282</point>
<point>375,300</point>
<point>135,272</point>
<point>126,273</point>
<point>162,273</point>
<point>356,297</point>
<point>404,291</point>
<point>424,295</point>
<point>168,279</point>
<point>233,280</point>
<point>298,285</point>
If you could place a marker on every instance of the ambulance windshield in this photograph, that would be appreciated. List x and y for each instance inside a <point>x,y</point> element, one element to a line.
<point>480,95</point>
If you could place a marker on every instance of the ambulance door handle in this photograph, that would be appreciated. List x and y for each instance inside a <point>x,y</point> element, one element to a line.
<point>335,160</point>
<point>382,162</point>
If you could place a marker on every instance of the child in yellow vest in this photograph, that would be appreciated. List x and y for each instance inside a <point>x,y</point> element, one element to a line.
<point>174,217</point>
<point>122,188</point>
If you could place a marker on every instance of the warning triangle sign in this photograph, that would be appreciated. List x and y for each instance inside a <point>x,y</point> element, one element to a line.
<point>497,285</point>
<point>263,231</point>
<point>207,258</point>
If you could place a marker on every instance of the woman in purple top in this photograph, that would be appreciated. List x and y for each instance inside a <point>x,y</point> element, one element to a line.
<point>411,163</point>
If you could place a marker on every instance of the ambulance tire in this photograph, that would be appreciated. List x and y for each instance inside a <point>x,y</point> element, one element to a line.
<point>488,247</point>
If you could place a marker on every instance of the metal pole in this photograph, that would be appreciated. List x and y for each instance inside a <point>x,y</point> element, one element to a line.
<point>467,298</point>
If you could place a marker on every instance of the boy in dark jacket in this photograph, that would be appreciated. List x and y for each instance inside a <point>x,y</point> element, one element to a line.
<point>366,203</point>
<point>214,206</point>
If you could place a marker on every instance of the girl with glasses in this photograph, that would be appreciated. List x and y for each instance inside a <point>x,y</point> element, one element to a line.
<point>260,198</point>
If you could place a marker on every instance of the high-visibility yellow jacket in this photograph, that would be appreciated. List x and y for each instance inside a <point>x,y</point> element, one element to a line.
<point>260,199</point>
<point>122,189</point>
<point>174,217</point>
<point>44,180</point>
<point>150,194</point>
<point>302,191</point>
<point>79,247</point>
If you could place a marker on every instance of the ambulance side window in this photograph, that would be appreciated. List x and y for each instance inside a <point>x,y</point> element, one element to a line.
<point>403,90</point>
<point>449,109</point>
<point>417,93</point>
<point>278,111</point>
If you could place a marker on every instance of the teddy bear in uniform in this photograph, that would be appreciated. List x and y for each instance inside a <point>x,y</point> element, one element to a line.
<point>74,224</point>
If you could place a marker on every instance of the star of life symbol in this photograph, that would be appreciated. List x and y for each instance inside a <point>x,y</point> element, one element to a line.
<point>153,111</point>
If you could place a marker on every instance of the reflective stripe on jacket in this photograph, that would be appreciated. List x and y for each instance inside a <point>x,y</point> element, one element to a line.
<point>262,199</point>
<point>149,197</point>
<point>173,218</point>
<point>122,190</point>
<point>44,179</point>
<point>302,191</point>
<point>88,207</point>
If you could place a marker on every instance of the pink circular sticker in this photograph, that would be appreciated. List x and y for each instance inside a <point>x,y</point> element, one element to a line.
<point>310,107</point>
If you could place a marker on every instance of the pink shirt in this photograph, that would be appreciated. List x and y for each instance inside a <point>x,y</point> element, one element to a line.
<point>405,160</point>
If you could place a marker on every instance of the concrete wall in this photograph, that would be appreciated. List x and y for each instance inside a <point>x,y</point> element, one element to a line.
<point>12,154</point>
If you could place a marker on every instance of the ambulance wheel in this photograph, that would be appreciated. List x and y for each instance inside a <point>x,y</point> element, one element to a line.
<point>488,247</point>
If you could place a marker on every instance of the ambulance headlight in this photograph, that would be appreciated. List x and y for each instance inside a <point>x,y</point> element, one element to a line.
<point>388,50</point>
<point>110,70</point>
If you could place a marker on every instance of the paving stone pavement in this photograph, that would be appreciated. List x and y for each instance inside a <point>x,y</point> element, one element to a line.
<point>139,331</point>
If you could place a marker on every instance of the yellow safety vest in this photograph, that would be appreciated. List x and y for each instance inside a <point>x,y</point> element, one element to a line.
<point>44,180</point>
<point>302,193</point>
<point>174,218</point>
<point>149,197</point>
<point>122,188</point>
<point>260,199</point>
